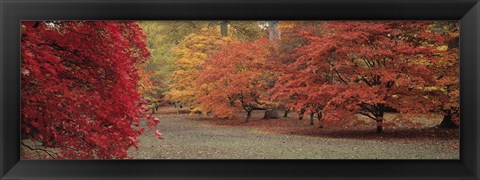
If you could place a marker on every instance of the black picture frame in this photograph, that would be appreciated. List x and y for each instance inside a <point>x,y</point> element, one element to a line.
<point>13,11</point>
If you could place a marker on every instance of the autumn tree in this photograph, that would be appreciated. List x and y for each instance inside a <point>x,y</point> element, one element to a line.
<point>78,88</point>
<point>381,64</point>
<point>162,37</point>
<point>292,88</point>
<point>166,43</point>
<point>308,86</point>
<point>193,50</point>
<point>447,74</point>
<point>238,77</point>
<point>151,86</point>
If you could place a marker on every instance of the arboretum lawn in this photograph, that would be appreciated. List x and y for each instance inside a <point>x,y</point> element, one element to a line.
<point>200,137</point>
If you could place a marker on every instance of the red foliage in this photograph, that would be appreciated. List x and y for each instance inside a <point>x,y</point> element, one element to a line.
<point>237,77</point>
<point>362,67</point>
<point>304,87</point>
<point>79,96</point>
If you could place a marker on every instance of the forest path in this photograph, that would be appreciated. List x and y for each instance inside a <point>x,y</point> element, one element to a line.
<point>185,138</point>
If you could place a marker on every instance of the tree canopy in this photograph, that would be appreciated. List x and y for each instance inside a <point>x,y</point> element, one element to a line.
<point>79,82</point>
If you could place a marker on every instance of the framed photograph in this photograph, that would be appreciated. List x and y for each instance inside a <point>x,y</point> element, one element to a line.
<point>248,89</point>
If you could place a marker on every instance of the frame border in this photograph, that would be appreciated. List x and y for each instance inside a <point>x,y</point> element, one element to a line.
<point>13,11</point>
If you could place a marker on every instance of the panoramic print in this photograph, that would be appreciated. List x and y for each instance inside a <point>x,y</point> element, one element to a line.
<point>240,90</point>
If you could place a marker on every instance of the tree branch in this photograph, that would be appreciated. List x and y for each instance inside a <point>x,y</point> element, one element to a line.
<point>368,115</point>
<point>338,74</point>
<point>37,149</point>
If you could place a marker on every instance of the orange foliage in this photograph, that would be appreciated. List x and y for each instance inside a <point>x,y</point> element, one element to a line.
<point>238,76</point>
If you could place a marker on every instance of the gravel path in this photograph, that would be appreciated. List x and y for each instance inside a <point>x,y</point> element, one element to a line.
<point>189,139</point>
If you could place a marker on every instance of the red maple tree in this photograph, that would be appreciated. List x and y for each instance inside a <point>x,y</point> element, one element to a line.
<point>446,92</point>
<point>373,65</point>
<point>238,77</point>
<point>79,97</point>
<point>300,88</point>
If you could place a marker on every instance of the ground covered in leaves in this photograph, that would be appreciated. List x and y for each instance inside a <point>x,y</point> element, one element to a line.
<point>203,137</point>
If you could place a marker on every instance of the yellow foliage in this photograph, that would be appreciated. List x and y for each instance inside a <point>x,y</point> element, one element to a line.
<point>192,52</point>
<point>442,48</point>
<point>145,84</point>
<point>162,37</point>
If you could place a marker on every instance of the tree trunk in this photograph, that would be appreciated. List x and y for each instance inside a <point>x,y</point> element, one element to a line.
<point>379,120</point>
<point>286,113</point>
<point>153,110</point>
<point>224,28</point>
<point>447,122</point>
<point>249,114</point>
<point>311,118</point>
<point>156,108</point>
<point>270,114</point>
<point>319,114</point>
<point>453,43</point>
<point>273,30</point>
<point>302,112</point>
